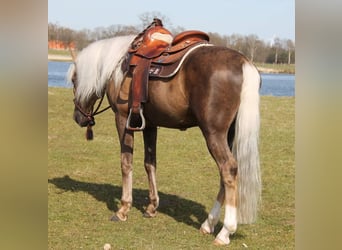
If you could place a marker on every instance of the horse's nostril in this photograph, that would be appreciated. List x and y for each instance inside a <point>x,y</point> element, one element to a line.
<point>91,123</point>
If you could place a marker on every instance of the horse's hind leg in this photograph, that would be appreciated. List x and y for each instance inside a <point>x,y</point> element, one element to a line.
<point>150,142</point>
<point>219,149</point>
<point>214,215</point>
<point>126,142</point>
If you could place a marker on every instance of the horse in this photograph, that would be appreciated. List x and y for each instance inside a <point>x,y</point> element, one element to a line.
<point>216,89</point>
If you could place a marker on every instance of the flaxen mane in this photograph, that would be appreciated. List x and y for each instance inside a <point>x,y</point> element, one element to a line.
<point>96,63</point>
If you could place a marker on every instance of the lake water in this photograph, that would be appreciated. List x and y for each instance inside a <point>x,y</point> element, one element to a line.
<point>272,84</point>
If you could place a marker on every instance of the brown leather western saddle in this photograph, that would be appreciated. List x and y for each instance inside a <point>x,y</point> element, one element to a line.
<point>154,53</point>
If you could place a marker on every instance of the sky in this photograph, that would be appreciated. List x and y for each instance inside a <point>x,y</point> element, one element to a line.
<point>265,18</point>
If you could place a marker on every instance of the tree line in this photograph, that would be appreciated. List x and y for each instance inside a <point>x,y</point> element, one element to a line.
<point>278,51</point>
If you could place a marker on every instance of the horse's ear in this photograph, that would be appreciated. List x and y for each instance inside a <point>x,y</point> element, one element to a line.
<point>73,55</point>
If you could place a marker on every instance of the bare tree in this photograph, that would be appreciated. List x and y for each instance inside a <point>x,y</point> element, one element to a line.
<point>290,47</point>
<point>177,30</point>
<point>235,41</point>
<point>262,52</point>
<point>82,38</point>
<point>252,42</point>
<point>216,39</point>
<point>52,31</point>
<point>119,30</point>
<point>280,50</point>
<point>277,46</point>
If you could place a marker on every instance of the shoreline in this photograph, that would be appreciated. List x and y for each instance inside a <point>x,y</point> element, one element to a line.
<point>68,58</point>
<point>271,71</point>
<point>59,58</point>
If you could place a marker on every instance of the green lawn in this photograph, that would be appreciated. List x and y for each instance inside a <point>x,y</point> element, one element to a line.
<point>59,52</point>
<point>84,184</point>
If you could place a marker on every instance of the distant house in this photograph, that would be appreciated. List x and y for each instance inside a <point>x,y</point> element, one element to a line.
<point>60,45</point>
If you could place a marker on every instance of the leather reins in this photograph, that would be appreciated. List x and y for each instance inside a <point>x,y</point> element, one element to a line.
<point>91,114</point>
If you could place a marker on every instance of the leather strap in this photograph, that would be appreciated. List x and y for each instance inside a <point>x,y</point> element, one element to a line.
<point>139,84</point>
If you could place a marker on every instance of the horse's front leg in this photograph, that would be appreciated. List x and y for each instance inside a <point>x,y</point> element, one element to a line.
<point>126,142</point>
<point>150,142</point>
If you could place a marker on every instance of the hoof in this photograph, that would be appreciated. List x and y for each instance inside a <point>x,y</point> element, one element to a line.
<point>148,215</point>
<point>116,218</point>
<point>203,231</point>
<point>218,243</point>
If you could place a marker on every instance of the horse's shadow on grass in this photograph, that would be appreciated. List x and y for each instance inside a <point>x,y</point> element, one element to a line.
<point>182,210</point>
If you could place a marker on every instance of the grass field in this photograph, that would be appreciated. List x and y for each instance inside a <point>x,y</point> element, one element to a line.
<point>84,184</point>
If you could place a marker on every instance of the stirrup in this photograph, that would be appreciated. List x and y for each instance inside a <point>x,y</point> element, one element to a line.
<point>128,126</point>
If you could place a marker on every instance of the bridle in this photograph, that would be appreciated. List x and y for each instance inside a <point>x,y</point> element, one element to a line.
<point>91,114</point>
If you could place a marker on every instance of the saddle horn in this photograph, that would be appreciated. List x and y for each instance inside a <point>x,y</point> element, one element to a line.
<point>157,22</point>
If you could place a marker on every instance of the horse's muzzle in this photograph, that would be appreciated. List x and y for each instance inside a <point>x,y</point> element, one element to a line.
<point>82,120</point>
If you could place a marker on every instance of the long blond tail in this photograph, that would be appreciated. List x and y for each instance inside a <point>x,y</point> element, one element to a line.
<point>245,147</point>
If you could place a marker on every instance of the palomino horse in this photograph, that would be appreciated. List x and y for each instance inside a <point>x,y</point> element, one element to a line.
<point>216,89</point>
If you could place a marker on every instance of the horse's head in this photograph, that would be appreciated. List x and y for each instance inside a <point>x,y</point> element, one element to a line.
<point>83,102</point>
<point>90,72</point>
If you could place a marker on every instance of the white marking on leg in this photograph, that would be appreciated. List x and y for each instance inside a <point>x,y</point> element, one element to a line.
<point>230,218</point>
<point>212,219</point>
<point>223,236</point>
<point>127,191</point>
<point>229,225</point>
<point>154,186</point>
